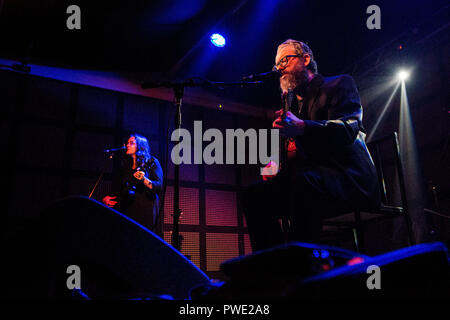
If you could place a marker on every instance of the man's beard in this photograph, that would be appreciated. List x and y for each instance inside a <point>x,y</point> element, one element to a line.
<point>294,79</point>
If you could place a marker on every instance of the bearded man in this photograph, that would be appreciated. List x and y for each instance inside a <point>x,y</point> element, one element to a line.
<point>332,171</point>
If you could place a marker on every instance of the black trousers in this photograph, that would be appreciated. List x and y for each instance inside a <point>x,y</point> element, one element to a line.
<point>301,197</point>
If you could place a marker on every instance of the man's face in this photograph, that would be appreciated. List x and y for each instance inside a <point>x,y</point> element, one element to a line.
<point>295,72</point>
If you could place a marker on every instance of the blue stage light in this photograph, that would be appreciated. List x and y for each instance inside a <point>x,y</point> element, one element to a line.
<point>218,40</point>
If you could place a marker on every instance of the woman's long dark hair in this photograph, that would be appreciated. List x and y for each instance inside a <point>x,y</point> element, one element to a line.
<point>142,151</point>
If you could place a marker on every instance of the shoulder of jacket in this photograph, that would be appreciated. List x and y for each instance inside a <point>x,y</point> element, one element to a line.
<point>335,80</point>
<point>344,79</point>
<point>338,82</point>
<point>152,162</point>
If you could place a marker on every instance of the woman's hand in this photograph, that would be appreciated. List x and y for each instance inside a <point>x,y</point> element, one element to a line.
<point>109,201</point>
<point>139,175</point>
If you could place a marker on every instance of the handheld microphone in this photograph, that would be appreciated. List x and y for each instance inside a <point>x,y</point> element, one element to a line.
<point>114,149</point>
<point>274,74</point>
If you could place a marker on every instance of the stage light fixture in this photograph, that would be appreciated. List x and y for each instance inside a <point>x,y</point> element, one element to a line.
<point>403,75</point>
<point>218,40</point>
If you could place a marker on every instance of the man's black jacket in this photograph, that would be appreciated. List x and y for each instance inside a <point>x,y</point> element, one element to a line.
<point>332,147</point>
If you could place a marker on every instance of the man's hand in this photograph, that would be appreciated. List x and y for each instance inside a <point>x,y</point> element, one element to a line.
<point>291,127</point>
<point>109,201</point>
<point>270,171</point>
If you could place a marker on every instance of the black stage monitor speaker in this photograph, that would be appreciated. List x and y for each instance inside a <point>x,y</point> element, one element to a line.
<point>114,257</point>
<point>417,272</point>
<point>304,271</point>
<point>267,273</point>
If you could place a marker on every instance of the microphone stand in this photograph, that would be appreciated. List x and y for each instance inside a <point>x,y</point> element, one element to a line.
<point>110,156</point>
<point>178,88</point>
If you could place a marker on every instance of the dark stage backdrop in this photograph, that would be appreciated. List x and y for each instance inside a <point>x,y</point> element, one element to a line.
<point>54,133</point>
<point>427,90</point>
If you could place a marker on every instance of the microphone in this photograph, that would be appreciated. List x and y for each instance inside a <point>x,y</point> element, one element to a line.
<point>274,74</point>
<point>114,149</point>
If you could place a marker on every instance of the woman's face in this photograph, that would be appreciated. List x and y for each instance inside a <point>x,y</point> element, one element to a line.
<point>131,146</point>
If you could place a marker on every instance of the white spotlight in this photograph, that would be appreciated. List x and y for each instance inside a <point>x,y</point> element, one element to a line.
<point>403,75</point>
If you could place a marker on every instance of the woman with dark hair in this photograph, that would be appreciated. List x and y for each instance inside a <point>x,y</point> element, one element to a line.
<point>140,186</point>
